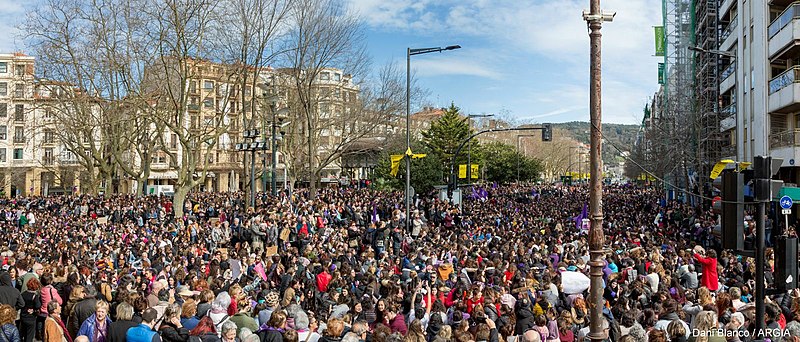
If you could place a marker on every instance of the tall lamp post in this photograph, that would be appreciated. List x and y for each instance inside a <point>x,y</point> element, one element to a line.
<point>519,140</point>
<point>469,147</point>
<point>411,52</point>
<point>251,134</point>
<point>595,18</point>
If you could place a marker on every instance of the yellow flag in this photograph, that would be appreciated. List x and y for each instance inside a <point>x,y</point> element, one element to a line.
<point>396,158</point>
<point>719,167</point>
<point>474,171</point>
<point>462,171</point>
<point>408,152</point>
<point>418,155</point>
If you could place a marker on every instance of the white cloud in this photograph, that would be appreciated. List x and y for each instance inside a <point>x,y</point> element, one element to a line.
<point>553,30</point>
<point>11,15</point>
<point>452,66</point>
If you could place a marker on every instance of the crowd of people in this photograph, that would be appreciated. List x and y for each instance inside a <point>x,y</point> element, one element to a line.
<point>507,265</point>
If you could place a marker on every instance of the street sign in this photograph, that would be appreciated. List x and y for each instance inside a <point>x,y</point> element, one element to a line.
<point>786,202</point>
<point>786,211</point>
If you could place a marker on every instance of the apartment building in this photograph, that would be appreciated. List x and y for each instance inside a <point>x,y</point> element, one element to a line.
<point>32,161</point>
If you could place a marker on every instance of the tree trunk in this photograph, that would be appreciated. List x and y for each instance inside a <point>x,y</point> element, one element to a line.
<point>181,193</point>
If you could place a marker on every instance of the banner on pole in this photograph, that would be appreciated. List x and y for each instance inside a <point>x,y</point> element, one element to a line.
<point>396,158</point>
<point>474,171</point>
<point>661,73</point>
<point>660,40</point>
<point>462,171</point>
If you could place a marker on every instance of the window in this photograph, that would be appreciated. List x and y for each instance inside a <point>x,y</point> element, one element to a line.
<point>48,156</point>
<point>49,136</point>
<point>19,69</point>
<point>192,87</point>
<point>3,132</point>
<point>325,76</point>
<point>2,155</point>
<point>173,141</point>
<point>337,77</point>
<point>3,109</point>
<point>19,112</point>
<point>3,89</point>
<point>17,154</point>
<point>48,113</point>
<point>208,85</point>
<point>208,103</point>
<point>19,90</point>
<point>19,134</point>
<point>3,67</point>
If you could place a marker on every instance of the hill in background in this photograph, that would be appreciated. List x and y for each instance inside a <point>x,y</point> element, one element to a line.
<point>619,135</point>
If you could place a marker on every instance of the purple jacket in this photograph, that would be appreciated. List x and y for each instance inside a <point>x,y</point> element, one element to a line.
<point>398,324</point>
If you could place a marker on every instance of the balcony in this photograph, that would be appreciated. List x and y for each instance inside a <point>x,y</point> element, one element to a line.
<point>19,140</point>
<point>727,123</point>
<point>725,5</point>
<point>728,77</point>
<point>784,91</point>
<point>784,144</point>
<point>784,33</point>
<point>730,30</point>
<point>728,111</point>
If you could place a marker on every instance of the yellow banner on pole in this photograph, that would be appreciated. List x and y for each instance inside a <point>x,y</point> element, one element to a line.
<point>474,171</point>
<point>462,171</point>
<point>719,167</point>
<point>396,158</point>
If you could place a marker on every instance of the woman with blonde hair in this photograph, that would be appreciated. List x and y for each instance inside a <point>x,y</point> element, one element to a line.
<point>704,296</point>
<point>706,328</point>
<point>415,333</point>
<point>95,328</point>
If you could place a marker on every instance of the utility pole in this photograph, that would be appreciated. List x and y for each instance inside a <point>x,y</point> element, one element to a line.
<point>595,18</point>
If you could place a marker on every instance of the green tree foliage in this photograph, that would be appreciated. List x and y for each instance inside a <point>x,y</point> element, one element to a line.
<point>505,161</point>
<point>425,172</point>
<point>446,134</point>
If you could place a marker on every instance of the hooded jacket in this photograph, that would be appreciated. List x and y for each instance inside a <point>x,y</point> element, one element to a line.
<point>8,294</point>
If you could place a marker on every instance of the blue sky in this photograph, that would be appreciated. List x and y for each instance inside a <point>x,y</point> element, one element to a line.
<point>527,60</point>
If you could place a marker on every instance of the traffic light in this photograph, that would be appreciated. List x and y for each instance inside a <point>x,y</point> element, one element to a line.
<point>732,210</point>
<point>547,132</point>
<point>786,263</point>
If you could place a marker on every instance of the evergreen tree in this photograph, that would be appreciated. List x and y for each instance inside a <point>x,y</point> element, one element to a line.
<point>446,135</point>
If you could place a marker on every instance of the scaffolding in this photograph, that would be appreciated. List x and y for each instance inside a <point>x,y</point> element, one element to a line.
<point>707,73</point>
<point>678,118</point>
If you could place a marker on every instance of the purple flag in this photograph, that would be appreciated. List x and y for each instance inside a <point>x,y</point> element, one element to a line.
<point>494,185</point>
<point>374,212</point>
<point>584,214</point>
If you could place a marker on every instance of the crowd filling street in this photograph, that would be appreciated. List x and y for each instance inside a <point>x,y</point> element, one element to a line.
<point>507,265</point>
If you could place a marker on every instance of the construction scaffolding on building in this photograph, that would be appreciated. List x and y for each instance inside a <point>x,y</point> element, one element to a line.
<point>674,131</point>
<point>707,73</point>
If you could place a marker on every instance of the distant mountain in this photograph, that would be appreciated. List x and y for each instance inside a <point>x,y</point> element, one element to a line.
<point>621,136</point>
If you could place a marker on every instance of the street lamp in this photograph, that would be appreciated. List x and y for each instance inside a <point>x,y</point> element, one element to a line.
<point>519,139</point>
<point>469,147</point>
<point>251,134</point>
<point>278,115</point>
<point>411,52</point>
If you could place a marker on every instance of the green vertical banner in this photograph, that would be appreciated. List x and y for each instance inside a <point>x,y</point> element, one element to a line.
<point>659,32</point>
<point>660,73</point>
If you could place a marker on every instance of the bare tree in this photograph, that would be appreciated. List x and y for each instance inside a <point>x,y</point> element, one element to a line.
<point>324,35</point>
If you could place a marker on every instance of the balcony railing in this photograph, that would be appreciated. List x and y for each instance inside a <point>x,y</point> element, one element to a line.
<point>791,12</point>
<point>785,79</point>
<point>785,138</point>
<point>728,71</point>
<point>728,110</point>
<point>728,30</point>
<point>19,140</point>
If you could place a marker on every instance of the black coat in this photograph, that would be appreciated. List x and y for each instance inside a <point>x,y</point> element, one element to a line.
<point>270,336</point>
<point>524,321</point>
<point>8,294</point>
<point>117,330</point>
<point>170,333</point>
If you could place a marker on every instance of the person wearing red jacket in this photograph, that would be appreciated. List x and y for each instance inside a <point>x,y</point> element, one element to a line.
<point>323,279</point>
<point>710,279</point>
